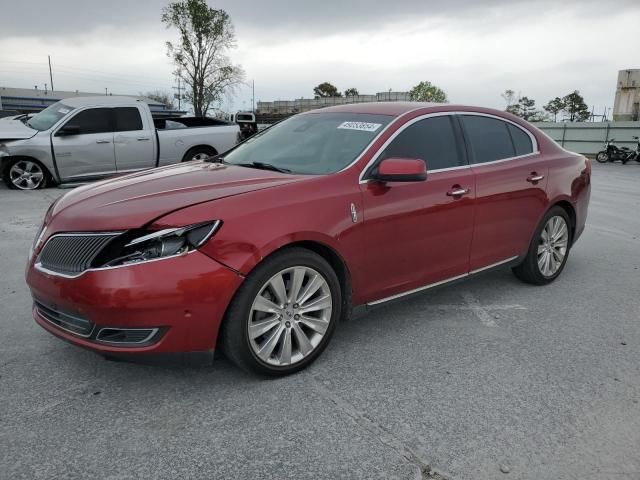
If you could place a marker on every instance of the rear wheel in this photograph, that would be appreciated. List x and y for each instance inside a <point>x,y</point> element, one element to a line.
<point>284,314</point>
<point>199,153</point>
<point>25,174</point>
<point>602,157</point>
<point>548,251</point>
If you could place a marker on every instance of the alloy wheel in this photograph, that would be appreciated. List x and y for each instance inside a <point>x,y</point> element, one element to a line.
<point>26,175</point>
<point>552,249</point>
<point>290,316</point>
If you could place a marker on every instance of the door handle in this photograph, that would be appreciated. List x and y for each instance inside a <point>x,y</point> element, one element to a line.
<point>458,192</point>
<point>103,141</point>
<point>143,139</point>
<point>534,178</point>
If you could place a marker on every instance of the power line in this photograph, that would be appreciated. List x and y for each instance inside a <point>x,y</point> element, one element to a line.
<point>61,67</point>
<point>100,79</point>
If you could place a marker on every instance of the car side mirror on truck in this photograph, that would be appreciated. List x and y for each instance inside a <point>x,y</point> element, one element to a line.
<point>401,170</point>
<point>68,130</point>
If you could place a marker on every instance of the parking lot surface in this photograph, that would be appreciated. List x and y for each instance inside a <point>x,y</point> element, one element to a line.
<point>488,378</point>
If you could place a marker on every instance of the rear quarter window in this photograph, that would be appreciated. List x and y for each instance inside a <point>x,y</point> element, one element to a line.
<point>521,141</point>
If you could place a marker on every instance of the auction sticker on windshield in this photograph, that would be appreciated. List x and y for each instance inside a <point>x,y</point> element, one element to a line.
<point>362,126</point>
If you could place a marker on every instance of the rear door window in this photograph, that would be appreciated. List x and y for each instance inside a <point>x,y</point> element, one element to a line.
<point>432,140</point>
<point>128,119</point>
<point>488,137</point>
<point>94,120</point>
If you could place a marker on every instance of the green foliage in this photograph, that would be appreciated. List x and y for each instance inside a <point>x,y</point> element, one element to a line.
<point>554,107</point>
<point>427,92</point>
<point>200,54</point>
<point>525,108</point>
<point>572,105</point>
<point>575,107</point>
<point>351,92</point>
<point>326,89</point>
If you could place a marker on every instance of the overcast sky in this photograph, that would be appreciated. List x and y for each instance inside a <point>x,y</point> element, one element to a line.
<point>473,49</point>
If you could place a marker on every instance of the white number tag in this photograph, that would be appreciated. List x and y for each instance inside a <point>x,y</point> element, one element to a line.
<point>362,126</point>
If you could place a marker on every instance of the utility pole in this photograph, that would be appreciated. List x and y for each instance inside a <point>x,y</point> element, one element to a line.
<point>253,96</point>
<point>50,74</point>
<point>105,91</point>
<point>179,89</point>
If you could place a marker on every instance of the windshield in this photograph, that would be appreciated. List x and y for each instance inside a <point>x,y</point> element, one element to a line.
<point>48,117</point>
<point>316,143</point>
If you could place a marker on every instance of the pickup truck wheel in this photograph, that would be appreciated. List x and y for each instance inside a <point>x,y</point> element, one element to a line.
<point>284,314</point>
<point>199,153</point>
<point>25,174</point>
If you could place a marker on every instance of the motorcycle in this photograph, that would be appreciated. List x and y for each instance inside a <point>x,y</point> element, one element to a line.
<point>611,153</point>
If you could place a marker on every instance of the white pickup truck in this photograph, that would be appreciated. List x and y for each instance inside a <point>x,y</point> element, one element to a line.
<point>86,138</point>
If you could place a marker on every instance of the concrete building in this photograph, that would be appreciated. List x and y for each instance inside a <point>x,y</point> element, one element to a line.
<point>290,107</point>
<point>627,103</point>
<point>26,100</point>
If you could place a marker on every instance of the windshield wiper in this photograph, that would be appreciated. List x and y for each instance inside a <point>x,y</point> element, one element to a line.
<point>264,166</point>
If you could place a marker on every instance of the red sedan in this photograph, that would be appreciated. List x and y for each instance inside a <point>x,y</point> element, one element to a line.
<point>263,249</point>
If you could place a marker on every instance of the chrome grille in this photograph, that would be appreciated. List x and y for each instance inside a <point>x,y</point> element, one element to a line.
<point>71,323</point>
<point>73,253</point>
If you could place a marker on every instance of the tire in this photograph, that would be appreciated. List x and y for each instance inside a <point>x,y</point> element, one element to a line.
<point>602,157</point>
<point>199,153</point>
<point>25,174</point>
<point>266,353</point>
<point>531,270</point>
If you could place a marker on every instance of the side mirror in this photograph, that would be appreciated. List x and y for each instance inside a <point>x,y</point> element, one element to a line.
<point>401,170</point>
<point>69,130</point>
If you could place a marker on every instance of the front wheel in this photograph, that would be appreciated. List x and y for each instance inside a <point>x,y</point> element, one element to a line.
<point>25,174</point>
<point>548,251</point>
<point>284,314</point>
<point>602,157</point>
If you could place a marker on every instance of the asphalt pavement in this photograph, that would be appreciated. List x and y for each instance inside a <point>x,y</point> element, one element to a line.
<point>489,378</point>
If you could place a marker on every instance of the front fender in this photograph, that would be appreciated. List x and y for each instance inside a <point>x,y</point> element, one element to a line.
<point>258,223</point>
<point>37,148</point>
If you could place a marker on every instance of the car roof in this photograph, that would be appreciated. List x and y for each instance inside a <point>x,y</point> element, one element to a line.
<point>379,108</point>
<point>397,109</point>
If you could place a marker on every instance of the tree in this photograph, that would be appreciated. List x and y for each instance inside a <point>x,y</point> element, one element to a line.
<point>326,89</point>
<point>200,55</point>
<point>575,108</point>
<point>351,92</point>
<point>508,95</point>
<point>525,108</point>
<point>159,96</point>
<point>554,107</point>
<point>427,92</point>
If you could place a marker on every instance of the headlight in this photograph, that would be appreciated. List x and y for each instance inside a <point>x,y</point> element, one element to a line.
<point>3,150</point>
<point>143,245</point>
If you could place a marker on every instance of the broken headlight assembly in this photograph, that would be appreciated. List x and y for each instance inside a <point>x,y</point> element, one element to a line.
<point>143,245</point>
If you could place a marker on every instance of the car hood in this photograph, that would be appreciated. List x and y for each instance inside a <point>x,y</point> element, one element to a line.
<point>15,130</point>
<point>135,200</point>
